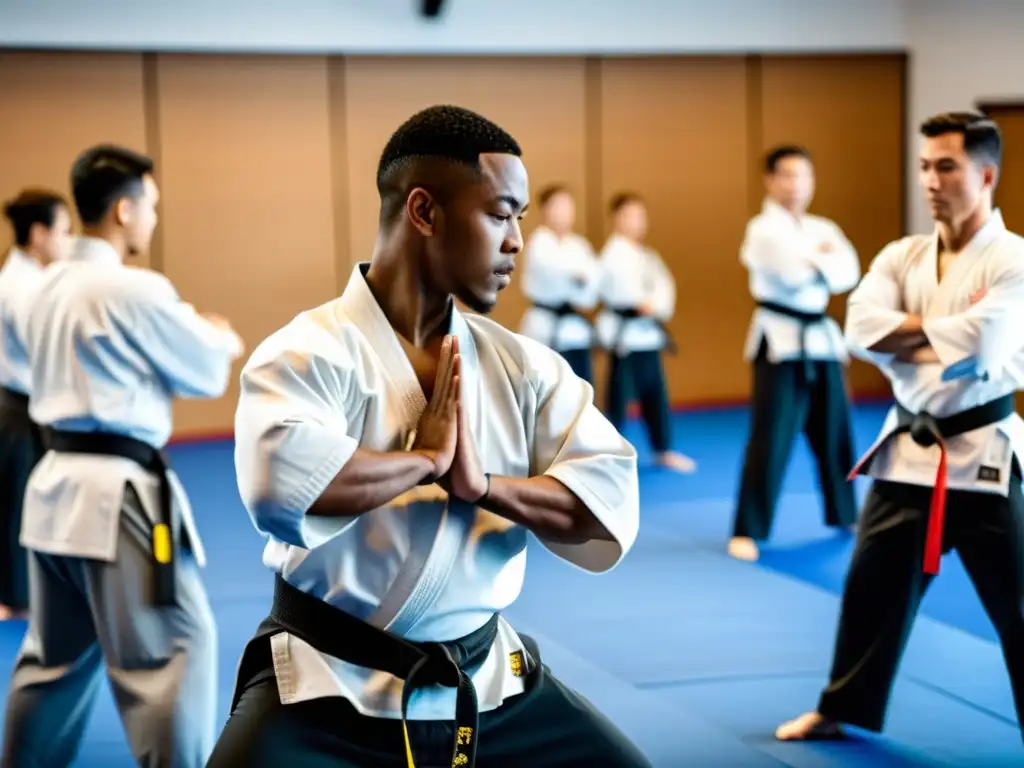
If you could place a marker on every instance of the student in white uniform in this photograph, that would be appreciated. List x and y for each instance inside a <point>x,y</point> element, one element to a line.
<point>113,548</point>
<point>396,453</point>
<point>797,262</point>
<point>42,233</point>
<point>560,279</point>
<point>941,316</point>
<point>638,294</point>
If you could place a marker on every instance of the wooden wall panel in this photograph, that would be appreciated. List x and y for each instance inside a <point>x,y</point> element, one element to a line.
<point>245,169</point>
<point>539,101</point>
<point>675,130</point>
<point>849,111</point>
<point>57,104</point>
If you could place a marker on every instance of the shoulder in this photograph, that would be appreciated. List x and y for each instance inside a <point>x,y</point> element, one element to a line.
<point>525,360</point>
<point>903,250</point>
<point>320,340</point>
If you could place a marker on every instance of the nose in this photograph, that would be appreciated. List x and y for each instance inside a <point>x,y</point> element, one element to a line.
<point>514,240</point>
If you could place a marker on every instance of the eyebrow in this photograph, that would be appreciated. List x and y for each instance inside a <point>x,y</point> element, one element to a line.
<point>517,204</point>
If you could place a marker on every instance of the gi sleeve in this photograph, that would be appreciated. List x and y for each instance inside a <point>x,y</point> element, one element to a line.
<point>292,433</point>
<point>192,356</point>
<point>589,275</point>
<point>765,249</point>
<point>662,295</point>
<point>575,444</point>
<point>875,307</point>
<point>988,335</point>
<point>840,267</point>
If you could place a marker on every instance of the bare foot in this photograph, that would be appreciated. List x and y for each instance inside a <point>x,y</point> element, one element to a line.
<point>809,727</point>
<point>5,613</point>
<point>677,462</point>
<point>743,548</point>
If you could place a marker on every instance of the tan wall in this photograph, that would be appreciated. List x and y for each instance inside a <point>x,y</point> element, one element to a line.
<point>267,166</point>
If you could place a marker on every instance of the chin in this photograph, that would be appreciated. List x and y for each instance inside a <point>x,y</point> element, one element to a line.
<point>481,303</point>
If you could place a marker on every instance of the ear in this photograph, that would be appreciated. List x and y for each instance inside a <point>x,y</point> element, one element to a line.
<point>990,175</point>
<point>422,209</point>
<point>36,234</point>
<point>124,211</point>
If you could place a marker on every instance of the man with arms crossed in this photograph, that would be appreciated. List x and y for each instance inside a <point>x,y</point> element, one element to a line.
<point>941,315</point>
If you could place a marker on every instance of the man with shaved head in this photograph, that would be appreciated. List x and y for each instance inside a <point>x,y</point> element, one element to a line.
<point>396,452</point>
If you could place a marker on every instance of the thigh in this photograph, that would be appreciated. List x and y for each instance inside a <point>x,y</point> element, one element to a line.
<point>988,533</point>
<point>553,726</point>
<point>60,626</point>
<point>648,374</point>
<point>264,733</point>
<point>134,632</point>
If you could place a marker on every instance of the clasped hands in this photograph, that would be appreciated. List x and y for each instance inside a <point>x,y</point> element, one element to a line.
<point>443,433</point>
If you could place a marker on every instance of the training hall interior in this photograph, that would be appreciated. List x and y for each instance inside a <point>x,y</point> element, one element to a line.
<point>266,119</point>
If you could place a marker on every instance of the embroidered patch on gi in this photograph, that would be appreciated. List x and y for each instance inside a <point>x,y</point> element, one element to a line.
<point>518,663</point>
<point>988,474</point>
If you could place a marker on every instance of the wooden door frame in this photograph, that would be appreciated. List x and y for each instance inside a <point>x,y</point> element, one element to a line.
<point>1009,106</point>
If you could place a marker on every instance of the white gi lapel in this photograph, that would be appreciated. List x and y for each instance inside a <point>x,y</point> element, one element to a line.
<point>437,528</point>
<point>363,310</point>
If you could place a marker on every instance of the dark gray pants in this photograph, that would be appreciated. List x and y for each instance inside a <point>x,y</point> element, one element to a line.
<point>89,615</point>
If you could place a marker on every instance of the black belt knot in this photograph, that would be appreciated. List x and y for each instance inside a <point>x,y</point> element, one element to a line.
<point>632,313</point>
<point>807,320</point>
<point>926,430</point>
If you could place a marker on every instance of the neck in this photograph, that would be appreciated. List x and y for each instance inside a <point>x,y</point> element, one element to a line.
<point>793,210</point>
<point>115,239</point>
<point>34,255</point>
<point>953,236</point>
<point>560,232</point>
<point>406,295</point>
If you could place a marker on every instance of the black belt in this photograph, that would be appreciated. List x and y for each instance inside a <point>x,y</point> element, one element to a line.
<point>345,637</point>
<point>806,320</point>
<point>562,311</point>
<point>11,398</point>
<point>625,315</point>
<point>165,532</point>
<point>927,430</point>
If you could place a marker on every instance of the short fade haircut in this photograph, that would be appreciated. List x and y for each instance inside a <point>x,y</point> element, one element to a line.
<point>621,199</point>
<point>444,132</point>
<point>983,140</point>
<point>550,191</point>
<point>31,207</point>
<point>104,174</point>
<point>780,153</point>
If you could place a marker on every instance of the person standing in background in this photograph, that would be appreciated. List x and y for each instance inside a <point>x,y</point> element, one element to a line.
<point>560,279</point>
<point>797,262</point>
<point>42,234</point>
<point>638,295</point>
<point>114,552</point>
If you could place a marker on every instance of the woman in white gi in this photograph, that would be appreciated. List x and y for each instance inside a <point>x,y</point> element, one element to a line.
<point>42,234</point>
<point>113,548</point>
<point>941,315</point>
<point>638,294</point>
<point>797,262</point>
<point>396,453</point>
<point>560,279</point>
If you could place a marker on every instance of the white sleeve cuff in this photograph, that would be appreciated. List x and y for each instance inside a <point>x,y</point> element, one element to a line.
<point>622,521</point>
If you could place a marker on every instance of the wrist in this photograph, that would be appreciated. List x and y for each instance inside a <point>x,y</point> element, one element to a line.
<point>429,467</point>
<point>484,490</point>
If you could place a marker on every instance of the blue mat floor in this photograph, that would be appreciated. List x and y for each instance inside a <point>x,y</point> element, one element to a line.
<point>696,656</point>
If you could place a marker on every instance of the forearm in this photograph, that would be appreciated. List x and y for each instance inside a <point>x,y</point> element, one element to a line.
<point>546,507</point>
<point>905,338</point>
<point>370,480</point>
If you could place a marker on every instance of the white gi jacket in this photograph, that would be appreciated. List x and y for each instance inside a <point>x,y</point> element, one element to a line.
<point>111,346</point>
<point>974,319</point>
<point>336,379</point>
<point>559,271</point>
<point>633,275</point>
<point>787,267</point>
